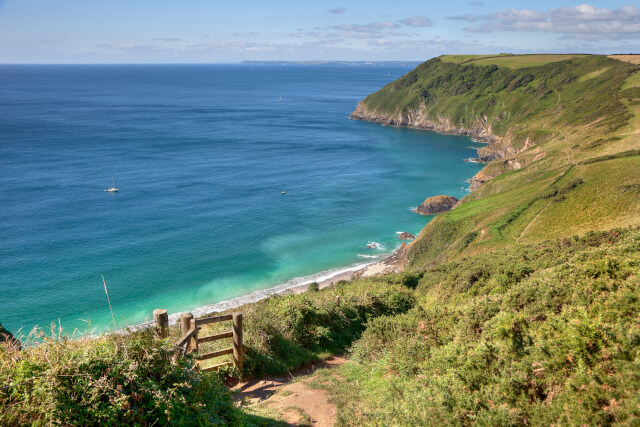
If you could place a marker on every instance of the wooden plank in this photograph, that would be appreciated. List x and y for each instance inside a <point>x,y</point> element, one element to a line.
<point>208,320</point>
<point>186,337</point>
<point>216,367</point>
<point>216,354</point>
<point>215,337</point>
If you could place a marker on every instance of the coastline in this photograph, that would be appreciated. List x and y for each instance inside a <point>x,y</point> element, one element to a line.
<point>393,262</point>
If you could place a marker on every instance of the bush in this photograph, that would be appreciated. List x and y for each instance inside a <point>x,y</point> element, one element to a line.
<point>133,379</point>
<point>285,332</point>
<point>543,334</point>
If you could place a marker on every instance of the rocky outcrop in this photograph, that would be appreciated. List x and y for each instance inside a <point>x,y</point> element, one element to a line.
<point>406,236</point>
<point>5,335</point>
<point>480,130</point>
<point>477,180</point>
<point>436,204</point>
<point>496,148</point>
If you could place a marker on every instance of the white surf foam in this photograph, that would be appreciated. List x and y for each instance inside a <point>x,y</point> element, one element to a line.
<point>259,294</point>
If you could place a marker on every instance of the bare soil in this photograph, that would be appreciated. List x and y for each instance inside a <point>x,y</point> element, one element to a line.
<point>291,399</point>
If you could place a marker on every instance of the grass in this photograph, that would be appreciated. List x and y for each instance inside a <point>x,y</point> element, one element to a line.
<point>507,60</point>
<point>571,112</point>
<point>543,334</point>
<point>133,379</point>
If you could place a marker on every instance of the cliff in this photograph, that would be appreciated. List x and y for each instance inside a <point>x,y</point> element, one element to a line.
<point>542,117</point>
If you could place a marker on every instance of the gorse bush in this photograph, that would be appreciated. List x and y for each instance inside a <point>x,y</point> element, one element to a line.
<point>133,379</point>
<point>539,335</point>
<point>285,332</point>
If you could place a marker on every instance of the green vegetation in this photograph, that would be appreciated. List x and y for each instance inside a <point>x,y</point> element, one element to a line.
<point>132,379</point>
<point>508,60</point>
<point>560,117</point>
<point>501,317</point>
<point>543,335</point>
<point>139,379</point>
<point>286,332</point>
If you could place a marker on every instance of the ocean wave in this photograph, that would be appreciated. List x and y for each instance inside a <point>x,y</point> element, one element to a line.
<point>368,256</point>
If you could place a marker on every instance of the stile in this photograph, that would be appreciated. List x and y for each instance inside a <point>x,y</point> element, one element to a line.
<point>208,320</point>
<point>215,337</point>
<point>190,341</point>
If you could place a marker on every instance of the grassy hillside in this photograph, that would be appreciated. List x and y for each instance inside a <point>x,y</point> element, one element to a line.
<point>568,129</point>
<point>138,379</point>
<point>545,334</point>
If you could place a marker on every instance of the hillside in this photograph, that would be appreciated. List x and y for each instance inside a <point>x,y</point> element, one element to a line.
<point>563,139</point>
<point>521,306</point>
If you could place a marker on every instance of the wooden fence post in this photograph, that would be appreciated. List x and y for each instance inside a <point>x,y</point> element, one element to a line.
<point>161,319</point>
<point>185,322</point>
<point>193,343</point>
<point>238,349</point>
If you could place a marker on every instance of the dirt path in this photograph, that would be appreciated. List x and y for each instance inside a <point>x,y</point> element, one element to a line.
<point>290,399</point>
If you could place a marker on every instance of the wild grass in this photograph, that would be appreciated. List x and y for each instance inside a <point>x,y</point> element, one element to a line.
<point>545,334</point>
<point>285,332</point>
<point>113,379</point>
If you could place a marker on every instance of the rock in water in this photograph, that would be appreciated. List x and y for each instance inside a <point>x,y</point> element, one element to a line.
<point>5,335</point>
<point>436,204</point>
<point>406,236</point>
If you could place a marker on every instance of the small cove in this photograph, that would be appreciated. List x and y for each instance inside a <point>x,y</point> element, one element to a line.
<point>201,155</point>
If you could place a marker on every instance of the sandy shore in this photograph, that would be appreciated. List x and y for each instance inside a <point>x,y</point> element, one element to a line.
<point>394,263</point>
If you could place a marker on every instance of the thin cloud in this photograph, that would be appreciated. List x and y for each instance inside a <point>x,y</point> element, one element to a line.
<point>366,28</point>
<point>338,11</point>
<point>579,22</point>
<point>476,3</point>
<point>167,39</point>
<point>417,21</point>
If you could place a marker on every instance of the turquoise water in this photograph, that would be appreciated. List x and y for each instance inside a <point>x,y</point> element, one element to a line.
<point>201,155</point>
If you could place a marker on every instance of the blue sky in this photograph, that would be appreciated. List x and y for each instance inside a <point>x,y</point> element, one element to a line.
<point>185,31</point>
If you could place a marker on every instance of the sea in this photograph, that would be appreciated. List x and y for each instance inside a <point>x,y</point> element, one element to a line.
<point>201,155</point>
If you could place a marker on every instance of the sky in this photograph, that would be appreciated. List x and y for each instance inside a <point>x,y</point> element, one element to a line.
<point>213,31</point>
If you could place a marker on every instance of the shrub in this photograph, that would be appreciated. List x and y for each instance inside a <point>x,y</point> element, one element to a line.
<point>133,379</point>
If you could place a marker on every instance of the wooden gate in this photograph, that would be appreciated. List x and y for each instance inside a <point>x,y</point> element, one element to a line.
<point>190,340</point>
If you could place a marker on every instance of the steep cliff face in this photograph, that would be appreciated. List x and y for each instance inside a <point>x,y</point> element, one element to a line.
<point>497,146</point>
<point>416,118</point>
<point>546,120</point>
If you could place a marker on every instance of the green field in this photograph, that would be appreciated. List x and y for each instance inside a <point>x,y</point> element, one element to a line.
<point>508,60</point>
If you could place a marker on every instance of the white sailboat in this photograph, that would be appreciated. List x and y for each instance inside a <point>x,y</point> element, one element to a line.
<point>113,188</point>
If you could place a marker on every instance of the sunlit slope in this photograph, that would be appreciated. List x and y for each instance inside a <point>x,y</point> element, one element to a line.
<point>568,135</point>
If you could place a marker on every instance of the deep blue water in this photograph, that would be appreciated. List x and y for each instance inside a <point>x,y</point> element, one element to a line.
<point>201,155</point>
